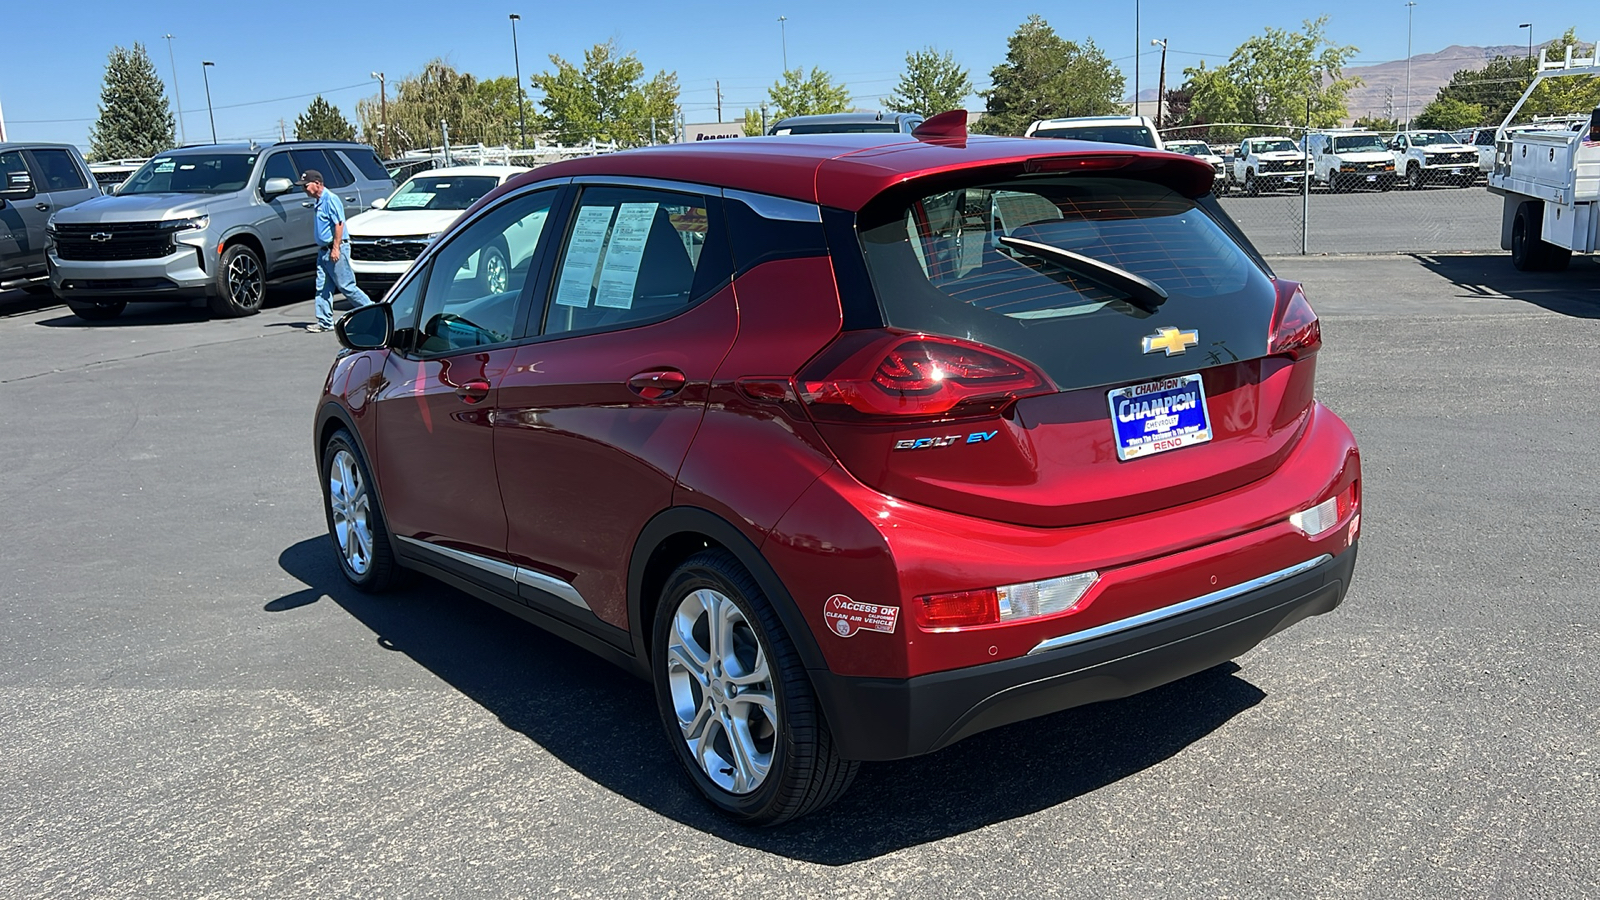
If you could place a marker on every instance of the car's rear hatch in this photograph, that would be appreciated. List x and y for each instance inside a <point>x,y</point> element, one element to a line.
<point>990,391</point>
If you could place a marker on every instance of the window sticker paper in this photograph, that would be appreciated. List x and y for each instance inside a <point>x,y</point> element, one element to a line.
<point>620,272</point>
<point>583,256</point>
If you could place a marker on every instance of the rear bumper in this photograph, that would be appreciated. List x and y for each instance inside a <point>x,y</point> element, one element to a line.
<point>881,719</point>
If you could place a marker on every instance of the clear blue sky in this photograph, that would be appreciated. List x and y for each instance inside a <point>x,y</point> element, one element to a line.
<point>270,58</point>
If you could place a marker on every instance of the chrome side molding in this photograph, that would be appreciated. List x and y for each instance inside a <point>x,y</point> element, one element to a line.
<point>1177,609</point>
<point>500,569</point>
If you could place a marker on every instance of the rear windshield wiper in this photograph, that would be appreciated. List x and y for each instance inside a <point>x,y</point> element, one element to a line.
<point>1142,292</point>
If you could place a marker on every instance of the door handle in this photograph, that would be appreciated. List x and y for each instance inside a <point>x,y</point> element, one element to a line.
<point>307,204</point>
<point>472,391</point>
<point>41,206</point>
<point>657,384</point>
<point>349,199</point>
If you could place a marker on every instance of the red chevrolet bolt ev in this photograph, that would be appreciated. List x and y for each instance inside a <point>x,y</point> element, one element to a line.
<point>853,445</point>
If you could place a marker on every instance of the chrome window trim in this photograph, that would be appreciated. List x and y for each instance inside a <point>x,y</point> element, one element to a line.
<point>781,209</point>
<point>515,574</point>
<point>1177,609</point>
<point>658,184</point>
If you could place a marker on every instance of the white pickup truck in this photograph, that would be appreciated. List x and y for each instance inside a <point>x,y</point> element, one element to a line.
<point>1549,181</point>
<point>1267,164</point>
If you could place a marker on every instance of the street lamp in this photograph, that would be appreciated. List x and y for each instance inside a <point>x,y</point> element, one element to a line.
<point>182,136</point>
<point>516,56</point>
<point>1161,85</point>
<point>1529,26</point>
<point>1410,5</point>
<point>205,74</point>
<point>783,35</point>
<point>383,115</point>
<point>763,118</point>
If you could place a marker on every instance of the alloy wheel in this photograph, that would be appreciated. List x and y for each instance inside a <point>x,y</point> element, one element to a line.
<point>722,691</point>
<point>244,281</point>
<point>497,276</point>
<point>352,512</point>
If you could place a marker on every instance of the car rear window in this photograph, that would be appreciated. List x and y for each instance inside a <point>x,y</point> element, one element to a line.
<point>1134,135</point>
<point>367,162</point>
<point>967,262</point>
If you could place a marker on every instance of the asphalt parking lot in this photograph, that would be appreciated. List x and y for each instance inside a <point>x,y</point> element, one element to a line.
<point>195,706</point>
<point>1439,218</point>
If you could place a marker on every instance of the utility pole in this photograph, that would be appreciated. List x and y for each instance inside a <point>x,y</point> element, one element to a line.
<point>283,132</point>
<point>1137,49</point>
<point>763,118</point>
<point>719,101</point>
<point>444,129</point>
<point>183,137</point>
<point>1529,26</point>
<point>205,68</point>
<point>522,112</point>
<point>1410,5</point>
<point>1161,84</point>
<point>783,35</point>
<point>383,116</point>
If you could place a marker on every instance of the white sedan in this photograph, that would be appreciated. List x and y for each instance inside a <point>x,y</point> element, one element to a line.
<point>385,240</point>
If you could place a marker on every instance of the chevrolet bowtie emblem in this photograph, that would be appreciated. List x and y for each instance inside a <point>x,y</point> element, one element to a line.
<point>1171,340</point>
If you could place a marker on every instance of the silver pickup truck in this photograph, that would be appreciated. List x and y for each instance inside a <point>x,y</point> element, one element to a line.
<point>36,180</point>
<point>217,222</point>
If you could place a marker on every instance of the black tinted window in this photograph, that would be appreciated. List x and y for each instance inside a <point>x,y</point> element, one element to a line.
<point>58,171</point>
<point>982,262</point>
<point>367,162</point>
<point>279,165</point>
<point>633,254</point>
<point>1110,134</point>
<point>334,174</point>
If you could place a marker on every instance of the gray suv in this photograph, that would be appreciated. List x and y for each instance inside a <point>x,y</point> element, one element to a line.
<point>36,180</point>
<point>217,221</point>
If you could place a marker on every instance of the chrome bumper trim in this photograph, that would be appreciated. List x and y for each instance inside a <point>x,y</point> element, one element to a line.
<point>1177,609</point>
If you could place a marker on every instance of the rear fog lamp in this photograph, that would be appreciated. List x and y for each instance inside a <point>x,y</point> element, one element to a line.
<point>1321,518</point>
<point>1008,603</point>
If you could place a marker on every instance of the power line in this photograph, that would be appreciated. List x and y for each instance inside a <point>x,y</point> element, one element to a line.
<point>336,90</point>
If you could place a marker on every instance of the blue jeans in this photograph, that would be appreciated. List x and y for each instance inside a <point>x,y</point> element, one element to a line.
<point>333,275</point>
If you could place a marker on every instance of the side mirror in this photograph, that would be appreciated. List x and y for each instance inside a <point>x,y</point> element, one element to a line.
<point>380,203</point>
<point>368,328</point>
<point>2,203</point>
<point>276,186</point>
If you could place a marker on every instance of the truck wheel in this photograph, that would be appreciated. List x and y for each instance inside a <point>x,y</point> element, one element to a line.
<point>735,699</point>
<point>1526,241</point>
<point>1250,186</point>
<point>1414,178</point>
<point>97,312</point>
<point>241,283</point>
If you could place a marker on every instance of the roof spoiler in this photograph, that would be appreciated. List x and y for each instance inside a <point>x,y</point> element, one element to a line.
<point>948,125</point>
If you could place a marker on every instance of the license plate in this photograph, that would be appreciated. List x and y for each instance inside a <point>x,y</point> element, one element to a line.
<point>1455,171</point>
<point>1372,178</point>
<point>1158,416</point>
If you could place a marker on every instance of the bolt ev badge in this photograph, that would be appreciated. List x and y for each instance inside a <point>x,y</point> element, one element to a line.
<point>1171,340</point>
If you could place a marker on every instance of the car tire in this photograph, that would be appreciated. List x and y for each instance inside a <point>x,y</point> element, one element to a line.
<point>1414,178</point>
<point>761,760</point>
<point>97,312</point>
<point>1251,186</point>
<point>494,268</point>
<point>1336,184</point>
<point>241,283</point>
<point>37,287</point>
<point>355,518</point>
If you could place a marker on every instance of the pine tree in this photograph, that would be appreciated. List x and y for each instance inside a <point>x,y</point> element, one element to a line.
<point>135,118</point>
<point>322,121</point>
<point>1045,76</point>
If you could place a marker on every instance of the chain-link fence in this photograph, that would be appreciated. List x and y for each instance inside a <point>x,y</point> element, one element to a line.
<point>1355,194</point>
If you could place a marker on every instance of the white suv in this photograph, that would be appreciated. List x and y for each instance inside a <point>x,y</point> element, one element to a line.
<point>1137,131</point>
<point>386,240</point>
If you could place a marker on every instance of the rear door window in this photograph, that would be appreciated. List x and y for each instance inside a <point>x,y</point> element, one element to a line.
<point>58,171</point>
<point>1020,265</point>
<point>334,174</point>
<point>634,255</point>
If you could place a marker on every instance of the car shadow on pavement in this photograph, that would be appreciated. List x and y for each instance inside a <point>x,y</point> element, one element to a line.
<point>176,312</point>
<point>1574,292</point>
<point>603,723</point>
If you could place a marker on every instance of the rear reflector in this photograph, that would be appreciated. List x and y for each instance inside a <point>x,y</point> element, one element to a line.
<point>1324,516</point>
<point>1008,603</point>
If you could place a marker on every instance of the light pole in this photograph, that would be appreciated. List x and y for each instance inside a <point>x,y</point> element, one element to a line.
<point>763,118</point>
<point>1136,50</point>
<point>183,137</point>
<point>783,35</point>
<point>383,115</point>
<point>1529,26</point>
<point>205,74</point>
<point>1410,5</point>
<point>1161,83</point>
<point>522,112</point>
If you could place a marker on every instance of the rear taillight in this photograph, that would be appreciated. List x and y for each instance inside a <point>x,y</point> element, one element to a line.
<point>872,375</point>
<point>1295,329</point>
<point>1320,519</point>
<point>1008,603</point>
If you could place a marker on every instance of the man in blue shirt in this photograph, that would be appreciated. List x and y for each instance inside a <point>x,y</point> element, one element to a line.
<point>333,252</point>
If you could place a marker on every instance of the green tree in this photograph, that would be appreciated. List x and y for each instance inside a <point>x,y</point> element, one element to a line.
<point>135,119</point>
<point>1377,123</point>
<point>798,94</point>
<point>932,83</point>
<point>606,100</point>
<point>1497,86</point>
<point>1448,114</point>
<point>496,102</point>
<point>752,123</point>
<point>419,102</point>
<point>1278,77</point>
<point>322,121</point>
<point>1045,77</point>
